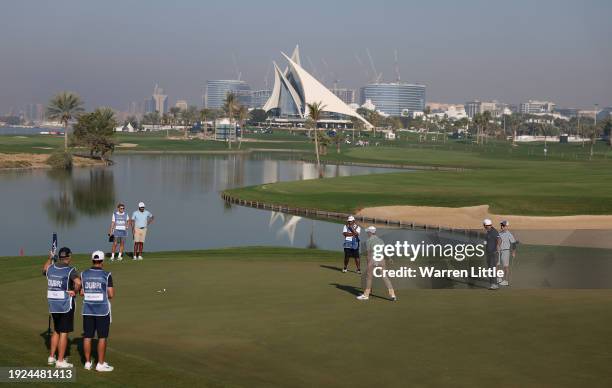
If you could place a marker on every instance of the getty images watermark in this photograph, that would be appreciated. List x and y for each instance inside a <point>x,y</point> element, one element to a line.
<point>412,252</point>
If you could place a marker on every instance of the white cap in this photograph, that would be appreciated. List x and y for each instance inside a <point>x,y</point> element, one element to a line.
<point>371,229</point>
<point>487,222</point>
<point>97,256</point>
<point>141,204</point>
<point>350,218</point>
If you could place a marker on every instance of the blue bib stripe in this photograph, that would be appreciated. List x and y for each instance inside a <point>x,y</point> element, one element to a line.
<point>58,280</point>
<point>95,295</point>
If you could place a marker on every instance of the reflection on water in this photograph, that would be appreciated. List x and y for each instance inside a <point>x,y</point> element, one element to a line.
<point>182,191</point>
<point>91,195</point>
<point>288,224</point>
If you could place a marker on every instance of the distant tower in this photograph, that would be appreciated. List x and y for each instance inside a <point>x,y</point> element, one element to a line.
<point>160,100</point>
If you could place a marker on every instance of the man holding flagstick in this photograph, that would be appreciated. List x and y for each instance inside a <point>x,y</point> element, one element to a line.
<point>63,283</point>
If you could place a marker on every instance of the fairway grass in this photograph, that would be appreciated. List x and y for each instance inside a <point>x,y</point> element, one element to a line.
<point>288,317</point>
<point>517,186</point>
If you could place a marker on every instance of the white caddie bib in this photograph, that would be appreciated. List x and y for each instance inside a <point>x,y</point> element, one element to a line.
<point>94,297</point>
<point>56,294</point>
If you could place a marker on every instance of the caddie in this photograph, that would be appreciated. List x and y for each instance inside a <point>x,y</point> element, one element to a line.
<point>97,292</point>
<point>62,285</point>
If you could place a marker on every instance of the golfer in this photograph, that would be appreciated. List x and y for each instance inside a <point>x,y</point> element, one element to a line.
<point>62,285</point>
<point>374,240</point>
<point>492,242</point>
<point>351,232</point>
<point>118,229</point>
<point>97,292</point>
<point>141,219</point>
<point>507,248</point>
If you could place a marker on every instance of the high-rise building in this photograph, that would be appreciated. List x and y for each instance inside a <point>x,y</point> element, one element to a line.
<point>160,100</point>
<point>34,113</point>
<point>259,98</point>
<point>149,105</point>
<point>346,95</point>
<point>475,107</point>
<point>217,90</point>
<point>394,99</point>
<point>135,108</point>
<point>181,104</point>
<point>533,106</point>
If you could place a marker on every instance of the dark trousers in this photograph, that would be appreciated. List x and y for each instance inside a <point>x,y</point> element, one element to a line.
<point>492,261</point>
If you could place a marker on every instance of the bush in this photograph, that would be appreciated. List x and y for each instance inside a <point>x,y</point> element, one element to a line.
<point>60,160</point>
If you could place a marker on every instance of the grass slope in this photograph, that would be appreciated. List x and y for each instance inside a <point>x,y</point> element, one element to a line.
<point>284,317</point>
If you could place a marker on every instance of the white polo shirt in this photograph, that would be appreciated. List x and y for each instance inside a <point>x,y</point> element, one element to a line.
<point>356,228</point>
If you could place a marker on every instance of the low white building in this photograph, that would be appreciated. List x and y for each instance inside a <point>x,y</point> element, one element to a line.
<point>125,128</point>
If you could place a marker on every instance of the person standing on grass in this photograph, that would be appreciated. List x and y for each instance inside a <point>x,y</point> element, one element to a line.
<point>351,232</point>
<point>507,248</point>
<point>62,285</point>
<point>492,245</point>
<point>97,292</point>
<point>141,219</point>
<point>118,229</point>
<point>373,241</point>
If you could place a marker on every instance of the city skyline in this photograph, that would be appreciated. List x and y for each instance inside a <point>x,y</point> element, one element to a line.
<point>557,51</point>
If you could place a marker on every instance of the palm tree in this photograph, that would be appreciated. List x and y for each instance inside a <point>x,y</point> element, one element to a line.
<point>231,104</point>
<point>243,115</point>
<point>64,107</point>
<point>174,112</point>
<point>315,111</point>
<point>189,116</point>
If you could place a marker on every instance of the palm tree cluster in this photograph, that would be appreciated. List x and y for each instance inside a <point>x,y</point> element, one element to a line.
<point>65,107</point>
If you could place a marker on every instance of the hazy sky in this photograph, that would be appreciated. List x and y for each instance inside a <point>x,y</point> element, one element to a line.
<point>113,52</point>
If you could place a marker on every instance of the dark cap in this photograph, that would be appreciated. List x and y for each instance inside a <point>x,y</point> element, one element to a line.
<point>504,223</point>
<point>64,252</point>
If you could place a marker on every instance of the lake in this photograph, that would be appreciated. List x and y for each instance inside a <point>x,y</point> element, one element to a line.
<point>182,192</point>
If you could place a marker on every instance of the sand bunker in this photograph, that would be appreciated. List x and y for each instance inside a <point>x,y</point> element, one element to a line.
<point>579,230</point>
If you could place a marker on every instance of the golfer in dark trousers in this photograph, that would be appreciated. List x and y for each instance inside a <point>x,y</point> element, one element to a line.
<point>62,285</point>
<point>97,292</point>
<point>493,242</point>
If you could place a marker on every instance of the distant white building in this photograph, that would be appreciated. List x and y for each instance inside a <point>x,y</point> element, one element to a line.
<point>475,107</point>
<point>452,112</point>
<point>125,128</point>
<point>368,105</point>
<point>181,104</point>
<point>534,106</point>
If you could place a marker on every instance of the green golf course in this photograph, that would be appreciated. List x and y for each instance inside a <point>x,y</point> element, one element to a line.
<point>509,181</point>
<point>288,317</point>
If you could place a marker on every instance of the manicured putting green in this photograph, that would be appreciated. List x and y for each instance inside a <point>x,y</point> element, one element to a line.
<point>287,317</point>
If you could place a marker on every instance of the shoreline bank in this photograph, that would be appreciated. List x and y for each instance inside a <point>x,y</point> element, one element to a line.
<point>25,161</point>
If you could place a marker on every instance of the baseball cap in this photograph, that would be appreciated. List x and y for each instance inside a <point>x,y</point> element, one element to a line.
<point>64,252</point>
<point>487,222</point>
<point>97,256</point>
<point>350,218</point>
<point>505,223</point>
<point>371,229</point>
<point>141,204</point>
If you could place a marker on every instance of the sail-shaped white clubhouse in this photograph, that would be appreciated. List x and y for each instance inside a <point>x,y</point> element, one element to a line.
<point>295,88</point>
